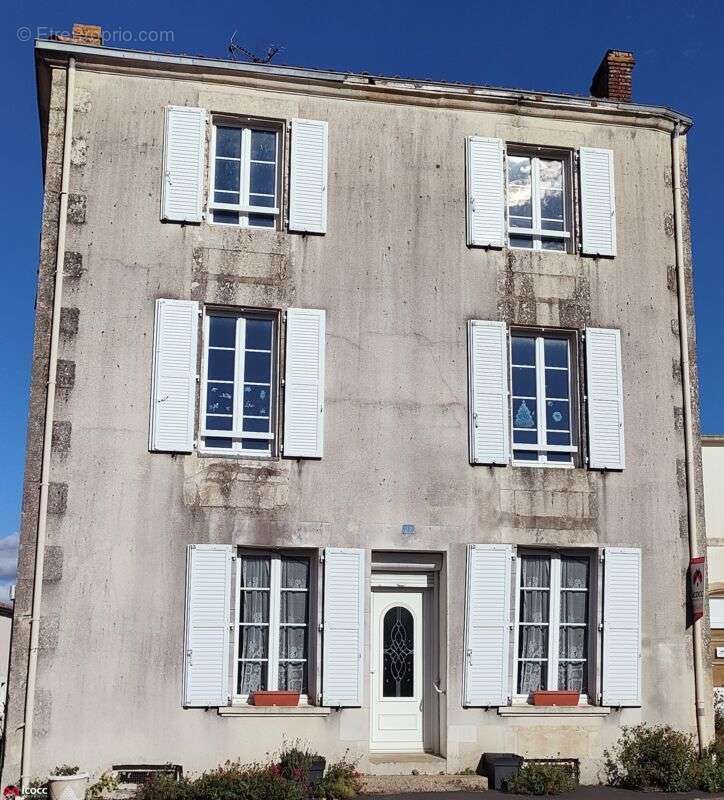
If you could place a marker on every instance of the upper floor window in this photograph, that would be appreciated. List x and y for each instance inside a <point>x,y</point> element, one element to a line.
<point>539,201</point>
<point>542,406</point>
<point>239,372</point>
<point>245,175</point>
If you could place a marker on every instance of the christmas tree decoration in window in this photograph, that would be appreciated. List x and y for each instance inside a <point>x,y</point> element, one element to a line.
<point>524,417</point>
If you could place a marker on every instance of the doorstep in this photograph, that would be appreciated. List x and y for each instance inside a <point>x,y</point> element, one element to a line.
<point>274,711</point>
<point>405,763</point>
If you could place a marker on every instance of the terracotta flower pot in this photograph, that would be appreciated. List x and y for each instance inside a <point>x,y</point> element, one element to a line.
<point>556,698</point>
<point>275,698</point>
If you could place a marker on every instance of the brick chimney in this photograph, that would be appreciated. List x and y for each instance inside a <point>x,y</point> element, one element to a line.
<point>612,80</point>
<point>82,34</point>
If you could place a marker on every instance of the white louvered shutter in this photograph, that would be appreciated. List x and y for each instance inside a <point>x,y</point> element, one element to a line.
<point>606,447</point>
<point>622,627</point>
<point>598,201</point>
<point>304,384</point>
<point>343,627</point>
<point>308,177</point>
<point>183,164</point>
<point>488,390</point>
<point>487,625</point>
<point>485,193</point>
<point>208,619</point>
<point>173,388</point>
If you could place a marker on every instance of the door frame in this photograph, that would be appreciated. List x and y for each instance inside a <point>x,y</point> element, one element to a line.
<point>428,584</point>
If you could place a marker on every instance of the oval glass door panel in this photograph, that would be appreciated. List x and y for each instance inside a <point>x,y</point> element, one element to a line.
<point>398,657</point>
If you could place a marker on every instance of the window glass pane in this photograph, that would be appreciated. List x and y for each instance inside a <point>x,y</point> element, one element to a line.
<point>524,384</point>
<point>525,455</point>
<point>226,217</point>
<point>293,643</point>
<point>519,187</point>
<point>556,352</point>
<point>216,443</point>
<point>574,572</point>
<point>254,425</point>
<point>220,398</point>
<point>255,444</point>
<point>294,607</point>
<point>535,571</point>
<point>532,676</point>
<point>254,642</point>
<point>525,437</point>
<point>558,438</point>
<point>256,401</point>
<point>574,607</point>
<point>295,573</point>
<point>228,142</point>
<point>572,643</point>
<point>551,173</point>
<point>221,365</point>
<point>521,241</point>
<point>252,677</point>
<point>257,367</point>
<point>261,200</point>
<point>222,331</point>
<point>263,145</point>
<point>556,245</point>
<point>563,458</point>
<point>219,424</point>
<point>293,677</point>
<point>261,178</point>
<point>572,677</point>
<point>398,653</point>
<point>523,350</point>
<point>557,383</point>
<point>261,221</point>
<point>226,175</point>
<point>226,197</point>
<point>254,607</point>
<point>524,413</point>
<point>258,334</point>
<point>534,606</point>
<point>255,572</point>
<point>557,415</point>
<point>533,642</point>
<point>551,203</point>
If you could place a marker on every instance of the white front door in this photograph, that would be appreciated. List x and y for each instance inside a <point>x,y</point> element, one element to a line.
<point>397,691</point>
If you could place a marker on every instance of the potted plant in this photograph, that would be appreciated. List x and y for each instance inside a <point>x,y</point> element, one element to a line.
<point>67,783</point>
<point>559,697</point>
<point>275,698</point>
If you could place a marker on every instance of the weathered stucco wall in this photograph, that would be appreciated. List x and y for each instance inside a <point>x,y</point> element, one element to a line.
<point>398,284</point>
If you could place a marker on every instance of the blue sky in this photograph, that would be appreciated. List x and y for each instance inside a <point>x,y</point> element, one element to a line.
<point>537,45</point>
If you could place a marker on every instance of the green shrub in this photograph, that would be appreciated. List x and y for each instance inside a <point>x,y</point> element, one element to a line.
<point>164,787</point>
<point>65,769</point>
<point>341,781</point>
<point>295,761</point>
<point>652,757</point>
<point>710,771</point>
<point>107,783</point>
<point>542,779</point>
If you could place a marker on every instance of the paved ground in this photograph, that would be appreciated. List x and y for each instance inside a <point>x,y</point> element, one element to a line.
<point>582,793</point>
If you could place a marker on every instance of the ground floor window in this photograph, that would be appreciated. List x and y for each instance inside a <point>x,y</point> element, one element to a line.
<point>552,622</point>
<point>273,623</point>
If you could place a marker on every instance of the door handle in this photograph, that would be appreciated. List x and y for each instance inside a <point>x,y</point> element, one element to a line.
<point>436,687</point>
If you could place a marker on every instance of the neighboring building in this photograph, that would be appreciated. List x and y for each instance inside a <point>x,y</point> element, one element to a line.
<point>712,453</point>
<point>343,368</point>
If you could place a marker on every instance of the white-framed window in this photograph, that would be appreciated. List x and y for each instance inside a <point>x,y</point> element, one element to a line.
<point>552,634</point>
<point>539,200</point>
<point>272,623</point>
<point>238,399</point>
<point>244,181</point>
<point>543,407</point>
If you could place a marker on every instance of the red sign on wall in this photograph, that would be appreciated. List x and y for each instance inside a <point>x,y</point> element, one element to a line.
<point>697,584</point>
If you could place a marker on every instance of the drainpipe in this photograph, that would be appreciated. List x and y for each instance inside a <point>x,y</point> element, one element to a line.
<point>25,765</point>
<point>699,684</point>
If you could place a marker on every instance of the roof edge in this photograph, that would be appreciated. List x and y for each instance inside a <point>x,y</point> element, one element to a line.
<point>101,54</point>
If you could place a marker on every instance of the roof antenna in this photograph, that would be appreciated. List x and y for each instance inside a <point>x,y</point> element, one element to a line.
<point>255,58</point>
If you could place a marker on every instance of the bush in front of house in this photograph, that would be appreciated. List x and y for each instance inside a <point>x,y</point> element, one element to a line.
<point>542,779</point>
<point>341,781</point>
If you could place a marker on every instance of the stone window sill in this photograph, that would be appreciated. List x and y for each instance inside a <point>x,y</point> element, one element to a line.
<point>553,711</point>
<point>273,711</point>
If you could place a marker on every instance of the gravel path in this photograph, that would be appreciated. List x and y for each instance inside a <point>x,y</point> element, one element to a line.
<point>406,784</point>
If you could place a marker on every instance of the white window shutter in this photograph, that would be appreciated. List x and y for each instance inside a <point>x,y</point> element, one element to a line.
<point>308,177</point>
<point>487,625</point>
<point>208,620</point>
<point>183,164</point>
<point>173,386</point>
<point>488,392</point>
<point>304,384</point>
<point>598,202</point>
<point>485,192</point>
<point>622,627</point>
<point>343,627</point>
<point>606,446</point>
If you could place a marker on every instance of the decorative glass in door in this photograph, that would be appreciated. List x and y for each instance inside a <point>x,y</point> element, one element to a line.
<point>398,654</point>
